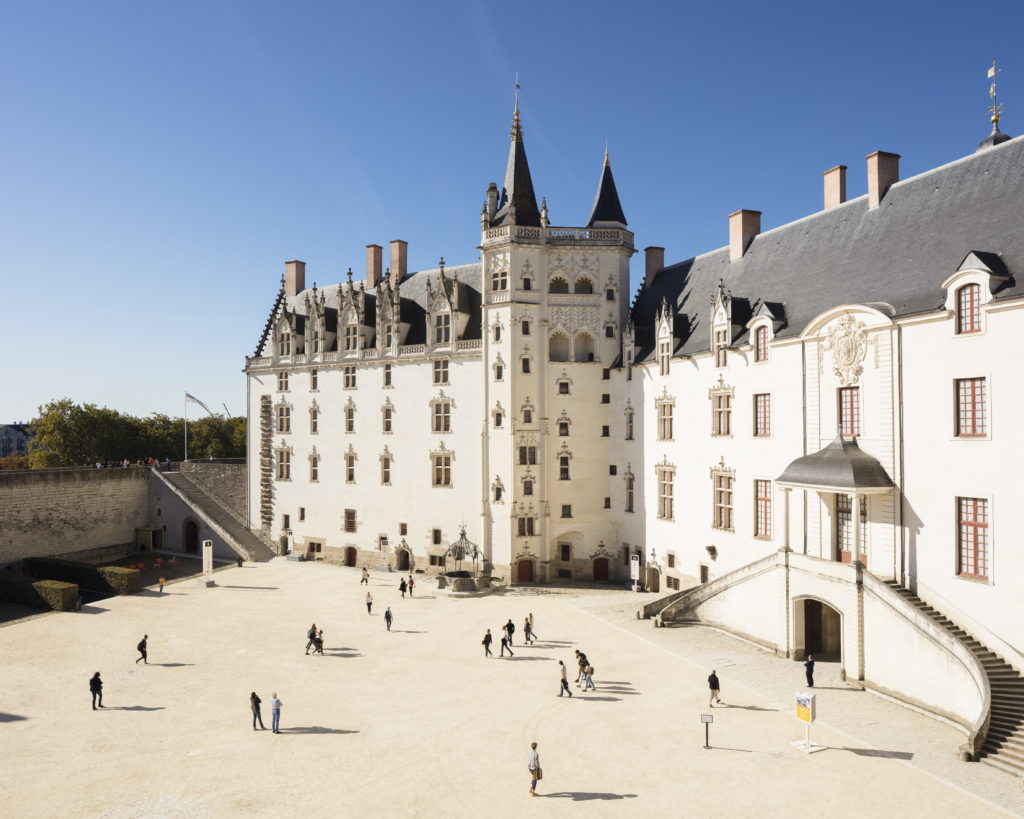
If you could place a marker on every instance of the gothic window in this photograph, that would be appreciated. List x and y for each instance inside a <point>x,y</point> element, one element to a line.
<point>558,347</point>
<point>497,490</point>
<point>284,418</point>
<point>442,468</point>
<point>443,328</point>
<point>721,410</point>
<point>282,382</point>
<point>498,416</point>
<point>972,538</point>
<point>497,332</point>
<point>630,491</point>
<point>666,491</point>
<point>583,347</point>
<point>666,408</point>
<point>761,344</point>
<point>317,340</point>
<point>389,335</point>
<point>351,337</point>
<point>762,415</point>
<point>664,355</point>
<point>558,285</point>
<point>584,285</point>
<point>970,408</point>
<point>721,481</point>
<point>968,309</point>
<point>284,465</point>
<point>849,411</point>
<point>441,371</point>
<point>563,467</point>
<point>350,418</point>
<point>763,509</point>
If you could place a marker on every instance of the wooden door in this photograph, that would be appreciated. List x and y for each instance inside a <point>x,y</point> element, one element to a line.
<point>191,537</point>
<point>350,556</point>
<point>601,569</point>
<point>524,571</point>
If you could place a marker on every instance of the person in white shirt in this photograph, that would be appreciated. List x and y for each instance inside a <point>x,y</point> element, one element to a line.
<point>275,711</point>
<point>533,765</point>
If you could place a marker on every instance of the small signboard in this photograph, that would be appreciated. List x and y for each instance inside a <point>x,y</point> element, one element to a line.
<point>634,567</point>
<point>707,717</point>
<point>805,707</point>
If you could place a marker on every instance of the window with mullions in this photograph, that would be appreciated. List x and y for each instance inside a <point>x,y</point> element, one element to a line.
<point>284,418</point>
<point>441,371</point>
<point>849,411</point>
<point>666,493</point>
<point>968,309</point>
<point>762,415</point>
<point>665,410</point>
<point>527,455</point>
<point>526,526</point>
<point>722,500</point>
<point>844,526</point>
<point>970,408</point>
<point>442,469</point>
<point>443,328</point>
<point>721,414</point>
<point>351,337</point>
<point>442,416</point>
<point>499,280</point>
<point>761,344</point>
<point>972,538</point>
<point>763,509</point>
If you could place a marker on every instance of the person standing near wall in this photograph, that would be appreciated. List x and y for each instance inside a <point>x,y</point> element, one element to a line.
<point>533,765</point>
<point>96,687</point>
<point>275,713</point>
<point>411,584</point>
<point>809,670</point>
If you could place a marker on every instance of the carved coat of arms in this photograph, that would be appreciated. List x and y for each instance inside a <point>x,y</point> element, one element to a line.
<point>848,345</point>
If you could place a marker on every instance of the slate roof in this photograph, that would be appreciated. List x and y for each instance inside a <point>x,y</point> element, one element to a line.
<point>840,465</point>
<point>897,254</point>
<point>607,207</point>
<point>518,186</point>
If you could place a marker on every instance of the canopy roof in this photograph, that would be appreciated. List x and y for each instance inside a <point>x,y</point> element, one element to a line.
<point>841,466</point>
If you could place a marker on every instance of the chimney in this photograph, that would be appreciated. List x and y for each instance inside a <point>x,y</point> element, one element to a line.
<point>294,278</point>
<point>744,225</point>
<point>654,258</point>
<point>835,186</point>
<point>883,171</point>
<point>374,264</point>
<point>399,252</point>
<point>492,201</point>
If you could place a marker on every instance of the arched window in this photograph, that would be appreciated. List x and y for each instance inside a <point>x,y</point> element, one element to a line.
<point>584,285</point>
<point>968,309</point>
<point>558,285</point>
<point>584,347</point>
<point>558,347</point>
<point>761,344</point>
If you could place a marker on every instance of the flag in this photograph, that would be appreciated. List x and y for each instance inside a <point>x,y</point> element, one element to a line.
<point>194,400</point>
<point>992,71</point>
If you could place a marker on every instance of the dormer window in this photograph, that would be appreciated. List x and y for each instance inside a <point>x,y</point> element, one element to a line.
<point>284,342</point>
<point>664,355</point>
<point>720,347</point>
<point>761,344</point>
<point>968,309</point>
<point>443,328</point>
<point>389,335</point>
<point>317,340</point>
<point>351,337</point>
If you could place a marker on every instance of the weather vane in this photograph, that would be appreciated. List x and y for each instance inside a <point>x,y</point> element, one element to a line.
<point>996,108</point>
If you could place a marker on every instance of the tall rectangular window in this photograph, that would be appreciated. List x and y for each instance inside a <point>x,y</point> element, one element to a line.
<point>844,527</point>
<point>314,476</point>
<point>350,419</point>
<point>387,375</point>
<point>385,470</point>
<point>284,465</point>
<point>349,374</point>
<point>970,408</point>
<point>629,425</point>
<point>972,537</point>
<point>664,355</point>
<point>351,337</point>
<point>350,520</point>
<point>563,468</point>
<point>386,419</point>
<point>441,371</point>
<point>968,309</point>
<point>761,344</point>
<point>443,328</point>
<point>436,536</point>
<point>527,487</point>
<point>442,416</point>
<point>525,327</point>
<point>526,526</point>
<point>284,343</point>
<point>350,468</point>
<point>762,415</point>
<point>282,382</point>
<point>721,414</point>
<point>849,411</point>
<point>527,455</point>
<point>666,493</point>
<point>722,512</point>
<point>284,419</point>
<point>665,420</point>
<point>314,380</point>
<point>762,509</point>
<point>630,491</point>
<point>721,345</point>
<point>442,469</point>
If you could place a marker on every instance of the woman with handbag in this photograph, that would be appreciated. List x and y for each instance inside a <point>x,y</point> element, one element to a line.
<point>533,764</point>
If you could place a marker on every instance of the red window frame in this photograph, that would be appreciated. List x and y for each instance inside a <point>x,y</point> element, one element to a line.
<point>761,344</point>
<point>849,411</point>
<point>968,309</point>
<point>972,538</point>
<point>762,415</point>
<point>763,508</point>
<point>971,421</point>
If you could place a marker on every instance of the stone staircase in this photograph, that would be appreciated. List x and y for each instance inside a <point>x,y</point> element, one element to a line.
<point>243,541</point>
<point>1004,742</point>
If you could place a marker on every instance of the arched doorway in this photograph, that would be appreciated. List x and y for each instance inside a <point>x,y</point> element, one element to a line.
<point>350,556</point>
<point>524,571</point>
<point>191,537</point>
<point>653,583</point>
<point>601,569</point>
<point>819,630</point>
<point>402,559</point>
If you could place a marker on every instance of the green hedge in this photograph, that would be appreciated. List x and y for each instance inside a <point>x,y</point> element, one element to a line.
<point>45,594</point>
<point>110,579</point>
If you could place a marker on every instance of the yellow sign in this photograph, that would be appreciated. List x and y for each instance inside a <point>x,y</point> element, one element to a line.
<point>805,707</point>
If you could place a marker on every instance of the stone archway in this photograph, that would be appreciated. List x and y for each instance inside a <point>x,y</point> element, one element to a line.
<point>402,560</point>
<point>350,556</point>
<point>191,537</point>
<point>524,571</point>
<point>817,629</point>
<point>652,581</point>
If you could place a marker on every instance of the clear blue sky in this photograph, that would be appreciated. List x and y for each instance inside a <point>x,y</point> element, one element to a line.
<point>161,160</point>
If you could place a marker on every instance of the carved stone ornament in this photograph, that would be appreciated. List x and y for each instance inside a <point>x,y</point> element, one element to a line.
<point>846,341</point>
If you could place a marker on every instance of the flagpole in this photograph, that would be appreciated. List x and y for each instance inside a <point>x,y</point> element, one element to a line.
<point>186,426</point>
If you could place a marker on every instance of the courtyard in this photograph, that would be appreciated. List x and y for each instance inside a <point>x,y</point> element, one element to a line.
<point>416,722</point>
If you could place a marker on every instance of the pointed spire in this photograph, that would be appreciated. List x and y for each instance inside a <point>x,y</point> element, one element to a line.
<point>607,210</point>
<point>518,203</point>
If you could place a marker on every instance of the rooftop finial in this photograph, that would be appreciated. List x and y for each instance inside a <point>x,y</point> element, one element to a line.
<point>606,162</point>
<point>517,131</point>
<point>996,108</point>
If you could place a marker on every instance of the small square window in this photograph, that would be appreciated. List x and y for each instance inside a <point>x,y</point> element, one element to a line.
<point>613,469</point>
<point>606,398</point>
<point>526,327</point>
<point>403,528</point>
<point>563,387</point>
<point>437,537</point>
<point>607,503</point>
<point>606,374</point>
<point>605,431</point>
<point>566,510</point>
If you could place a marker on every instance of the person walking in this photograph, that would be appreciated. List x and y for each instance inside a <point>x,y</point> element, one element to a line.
<point>588,678</point>
<point>505,646</point>
<point>369,603</point>
<point>533,765</point>
<point>162,581</point>
<point>365,579</point>
<point>96,687</point>
<point>411,584</point>
<point>311,637</point>
<point>809,670</point>
<point>581,663</point>
<point>254,703</point>
<point>564,688</point>
<point>533,631</point>
<point>527,632</point>
<point>510,629</point>
<point>318,643</point>
<point>487,644</point>
<point>387,617</point>
<point>142,649</point>
<point>275,713</point>
<point>401,588</point>
<point>716,691</point>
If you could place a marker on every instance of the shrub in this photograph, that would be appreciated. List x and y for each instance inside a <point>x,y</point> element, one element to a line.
<point>110,579</point>
<point>45,594</point>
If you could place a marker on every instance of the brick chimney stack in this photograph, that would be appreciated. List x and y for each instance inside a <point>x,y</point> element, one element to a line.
<point>654,258</point>
<point>744,225</point>
<point>883,171</point>
<point>399,260</point>
<point>374,264</point>
<point>294,278</point>
<point>835,186</point>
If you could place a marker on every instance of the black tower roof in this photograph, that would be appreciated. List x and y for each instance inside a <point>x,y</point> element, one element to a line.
<point>518,188</point>
<point>606,204</point>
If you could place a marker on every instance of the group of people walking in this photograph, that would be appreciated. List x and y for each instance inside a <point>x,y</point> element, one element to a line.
<point>507,632</point>
<point>315,640</point>
<point>584,675</point>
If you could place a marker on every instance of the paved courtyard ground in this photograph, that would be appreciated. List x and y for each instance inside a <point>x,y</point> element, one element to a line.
<point>417,723</point>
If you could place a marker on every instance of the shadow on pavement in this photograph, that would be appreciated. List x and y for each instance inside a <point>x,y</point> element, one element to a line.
<point>406,631</point>
<point>11,718</point>
<point>316,729</point>
<point>875,752</point>
<point>171,665</point>
<point>746,707</point>
<point>131,708</point>
<point>342,654</point>
<point>580,796</point>
<point>249,588</point>
<point>589,698</point>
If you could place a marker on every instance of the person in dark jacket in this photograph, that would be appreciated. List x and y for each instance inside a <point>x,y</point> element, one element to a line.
<point>388,617</point>
<point>311,638</point>
<point>506,647</point>
<point>510,629</point>
<point>716,693</point>
<point>96,687</point>
<point>487,644</point>
<point>809,671</point>
<point>254,703</point>
<point>142,649</point>
<point>401,587</point>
